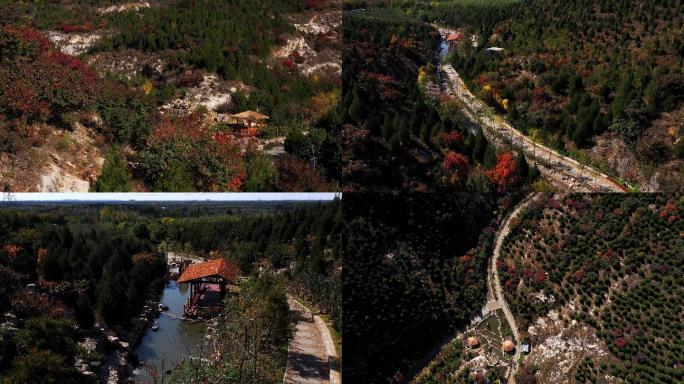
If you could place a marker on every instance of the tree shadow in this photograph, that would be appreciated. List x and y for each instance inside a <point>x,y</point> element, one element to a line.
<point>309,366</point>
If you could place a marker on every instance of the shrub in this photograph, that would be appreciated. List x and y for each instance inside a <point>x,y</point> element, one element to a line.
<point>114,176</point>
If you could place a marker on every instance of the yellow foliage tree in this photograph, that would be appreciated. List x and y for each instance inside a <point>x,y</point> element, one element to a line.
<point>147,87</point>
<point>321,103</point>
<point>422,76</point>
<point>395,40</point>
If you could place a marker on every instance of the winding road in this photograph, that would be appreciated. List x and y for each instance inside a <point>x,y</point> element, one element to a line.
<point>556,167</point>
<point>495,283</point>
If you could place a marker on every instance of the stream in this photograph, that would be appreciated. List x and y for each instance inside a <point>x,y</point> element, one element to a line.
<point>175,341</point>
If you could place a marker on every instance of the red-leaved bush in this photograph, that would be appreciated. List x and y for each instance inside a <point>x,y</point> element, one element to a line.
<point>289,64</point>
<point>455,162</point>
<point>448,138</point>
<point>503,174</point>
<point>621,342</point>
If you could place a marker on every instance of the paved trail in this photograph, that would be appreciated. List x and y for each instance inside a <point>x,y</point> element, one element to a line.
<point>559,168</point>
<point>495,283</point>
<point>311,354</point>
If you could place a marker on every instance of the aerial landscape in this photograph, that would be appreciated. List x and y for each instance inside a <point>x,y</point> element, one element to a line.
<point>170,291</point>
<point>233,191</point>
<point>543,288</point>
<point>169,95</point>
<point>456,94</point>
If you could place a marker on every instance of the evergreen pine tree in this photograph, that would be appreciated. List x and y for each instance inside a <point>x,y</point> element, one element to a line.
<point>522,169</point>
<point>387,127</point>
<point>489,157</point>
<point>114,176</point>
<point>357,110</point>
<point>479,147</point>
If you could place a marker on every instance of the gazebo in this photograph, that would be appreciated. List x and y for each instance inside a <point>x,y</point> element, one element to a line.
<point>473,342</point>
<point>208,282</point>
<point>508,346</point>
<point>249,122</point>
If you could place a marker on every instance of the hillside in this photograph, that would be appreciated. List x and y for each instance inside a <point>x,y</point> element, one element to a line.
<point>598,80</point>
<point>595,283</point>
<point>141,95</point>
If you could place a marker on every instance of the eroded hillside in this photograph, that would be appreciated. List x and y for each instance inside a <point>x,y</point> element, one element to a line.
<point>144,70</point>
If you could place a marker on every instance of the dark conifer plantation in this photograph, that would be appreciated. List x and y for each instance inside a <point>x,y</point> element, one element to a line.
<point>415,270</point>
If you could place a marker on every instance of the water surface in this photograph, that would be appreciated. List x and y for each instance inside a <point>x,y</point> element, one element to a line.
<point>176,340</point>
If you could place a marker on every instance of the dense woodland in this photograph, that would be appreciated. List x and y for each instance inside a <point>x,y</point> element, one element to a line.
<point>397,137</point>
<point>233,39</point>
<point>619,260</point>
<point>573,71</point>
<point>415,270</point>
<point>65,267</point>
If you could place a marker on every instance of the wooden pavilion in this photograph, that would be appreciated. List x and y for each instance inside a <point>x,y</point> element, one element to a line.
<point>248,123</point>
<point>209,282</point>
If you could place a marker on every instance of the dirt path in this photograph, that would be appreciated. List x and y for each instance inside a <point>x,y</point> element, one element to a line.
<point>559,168</point>
<point>311,356</point>
<point>495,283</point>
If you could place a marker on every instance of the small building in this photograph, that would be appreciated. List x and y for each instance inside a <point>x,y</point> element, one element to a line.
<point>453,39</point>
<point>473,342</point>
<point>243,124</point>
<point>209,282</point>
<point>494,50</point>
<point>507,346</point>
<point>525,348</point>
<point>248,123</point>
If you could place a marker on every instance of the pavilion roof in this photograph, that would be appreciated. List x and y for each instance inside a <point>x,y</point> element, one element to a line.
<point>216,267</point>
<point>250,115</point>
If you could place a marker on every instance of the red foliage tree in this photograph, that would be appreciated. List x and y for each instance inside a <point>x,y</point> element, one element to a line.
<point>449,138</point>
<point>42,252</point>
<point>24,101</point>
<point>540,277</point>
<point>503,174</point>
<point>217,159</point>
<point>11,250</point>
<point>609,254</point>
<point>455,162</point>
<point>297,175</point>
<point>73,63</point>
<point>31,36</point>
<point>289,64</point>
<point>621,342</point>
<point>71,28</point>
<point>314,4</point>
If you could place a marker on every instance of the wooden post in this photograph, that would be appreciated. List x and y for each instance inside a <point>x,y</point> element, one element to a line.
<point>223,291</point>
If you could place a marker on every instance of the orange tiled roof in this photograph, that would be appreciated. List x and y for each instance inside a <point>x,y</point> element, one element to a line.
<point>455,36</point>
<point>216,267</point>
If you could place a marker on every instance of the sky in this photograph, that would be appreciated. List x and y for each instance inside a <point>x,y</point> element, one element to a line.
<point>172,196</point>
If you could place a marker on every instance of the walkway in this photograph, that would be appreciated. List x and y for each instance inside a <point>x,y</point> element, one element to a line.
<point>495,284</point>
<point>311,356</point>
